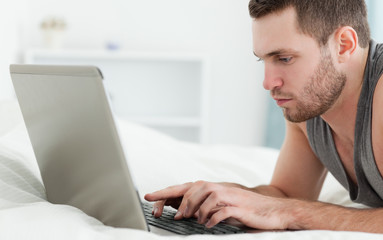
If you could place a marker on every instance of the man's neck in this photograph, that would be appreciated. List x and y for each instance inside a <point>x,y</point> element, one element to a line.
<point>342,115</point>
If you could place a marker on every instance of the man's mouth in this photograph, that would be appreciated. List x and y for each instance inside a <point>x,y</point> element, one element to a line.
<point>282,101</point>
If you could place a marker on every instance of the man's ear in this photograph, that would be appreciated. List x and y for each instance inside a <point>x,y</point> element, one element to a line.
<point>346,40</point>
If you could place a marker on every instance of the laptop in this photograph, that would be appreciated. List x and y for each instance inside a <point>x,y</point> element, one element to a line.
<point>78,149</point>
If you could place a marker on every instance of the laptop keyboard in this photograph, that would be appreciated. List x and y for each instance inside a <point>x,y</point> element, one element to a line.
<point>185,226</point>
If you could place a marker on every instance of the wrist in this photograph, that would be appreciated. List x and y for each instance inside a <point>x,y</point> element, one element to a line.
<point>268,190</point>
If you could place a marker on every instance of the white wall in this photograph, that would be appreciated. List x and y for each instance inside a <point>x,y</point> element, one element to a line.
<point>375,18</point>
<point>219,28</point>
<point>11,20</point>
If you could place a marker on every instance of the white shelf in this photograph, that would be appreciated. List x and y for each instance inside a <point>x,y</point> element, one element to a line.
<point>167,122</point>
<point>166,91</point>
<point>32,55</point>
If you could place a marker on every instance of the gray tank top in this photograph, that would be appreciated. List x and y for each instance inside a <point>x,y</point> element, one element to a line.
<point>369,187</point>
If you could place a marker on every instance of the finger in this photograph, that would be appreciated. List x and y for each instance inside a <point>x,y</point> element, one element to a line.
<point>196,214</point>
<point>182,208</point>
<point>226,196</point>
<point>167,193</point>
<point>190,203</point>
<point>242,215</point>
<point>158,208</point>
<point>212,211</point>
<point>211,205</point>
<point>222,214</point>
<point>202,191</point>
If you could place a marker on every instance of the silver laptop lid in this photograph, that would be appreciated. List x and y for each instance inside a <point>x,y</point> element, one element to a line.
<point>76,143</point>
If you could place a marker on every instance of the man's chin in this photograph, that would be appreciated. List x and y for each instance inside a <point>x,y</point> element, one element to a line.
<point>296,118</point>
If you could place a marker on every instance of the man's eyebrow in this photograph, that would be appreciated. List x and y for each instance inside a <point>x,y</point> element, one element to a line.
<point>275,52</point>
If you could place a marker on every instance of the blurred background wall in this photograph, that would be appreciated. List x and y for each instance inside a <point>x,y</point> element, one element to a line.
<point>220,29</point>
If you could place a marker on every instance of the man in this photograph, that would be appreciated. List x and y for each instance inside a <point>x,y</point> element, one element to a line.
<point>323,71</point>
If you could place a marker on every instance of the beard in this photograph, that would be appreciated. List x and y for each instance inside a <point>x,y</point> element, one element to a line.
<point>319,94</point>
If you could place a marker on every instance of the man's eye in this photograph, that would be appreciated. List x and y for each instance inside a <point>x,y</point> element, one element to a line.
<point>285,59</point>
<point>260,60</point>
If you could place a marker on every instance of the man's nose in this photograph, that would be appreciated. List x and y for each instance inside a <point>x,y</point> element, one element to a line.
<point>272,78</point>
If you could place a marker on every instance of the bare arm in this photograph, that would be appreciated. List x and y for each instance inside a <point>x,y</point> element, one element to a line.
<point>298,173</point>
<point>266,190</point>
<point>324,216</point>
<point>263,212</point>
<point>289,202</point>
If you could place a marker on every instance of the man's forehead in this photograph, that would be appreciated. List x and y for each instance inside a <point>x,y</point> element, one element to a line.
<point>275,33</point>
<point>278,34</point>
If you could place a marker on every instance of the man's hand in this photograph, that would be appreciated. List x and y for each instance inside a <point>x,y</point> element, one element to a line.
<point>215,202</point>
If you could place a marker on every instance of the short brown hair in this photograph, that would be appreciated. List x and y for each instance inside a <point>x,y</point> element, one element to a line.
<point>320,18</point>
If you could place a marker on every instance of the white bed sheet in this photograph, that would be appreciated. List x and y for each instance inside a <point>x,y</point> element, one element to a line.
<point>25,213</point>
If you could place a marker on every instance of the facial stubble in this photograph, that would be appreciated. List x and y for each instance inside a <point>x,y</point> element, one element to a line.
<point>320,93</point>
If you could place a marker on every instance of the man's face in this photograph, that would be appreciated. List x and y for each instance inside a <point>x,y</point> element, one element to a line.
<point>299,74</point>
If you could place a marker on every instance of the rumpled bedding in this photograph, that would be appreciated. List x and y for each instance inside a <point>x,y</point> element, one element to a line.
<point>156,161</point>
